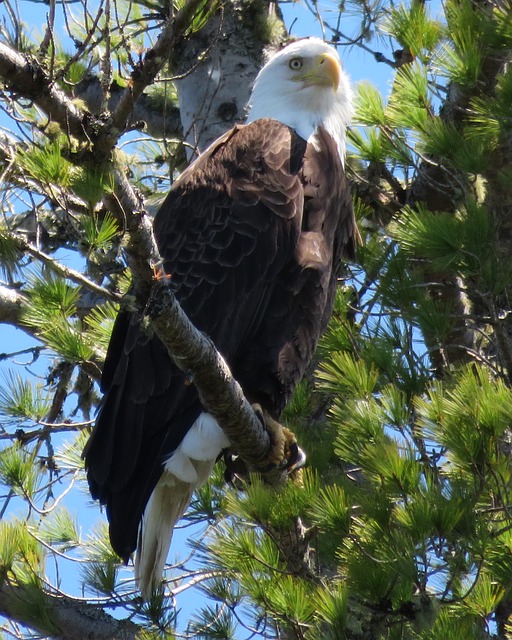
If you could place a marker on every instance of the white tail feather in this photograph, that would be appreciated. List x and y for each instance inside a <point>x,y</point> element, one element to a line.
<point>186,469</point>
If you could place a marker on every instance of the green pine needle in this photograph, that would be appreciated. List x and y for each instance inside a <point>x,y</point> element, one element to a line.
<point>20,471</point>
<point>101,577</point>
<point>100,322</point>
<point>440,138</point>
<point>468,419</point>
<point>98,548</point>
<point>69,454</point>
<point>52,298</point>
<point>60,528</point>
<point>160,612</point>
<point>21,400</point>
<point>291,599</point>
<point>369,106</point>
<point>264,505</point>
<point>19,551</point>
<point>53,304</point>
<point>203,13</point>
<point>447,241</point>
<point>68,340</point>
<point>333,609</point>
<point>98,235</point>
<point>91,183</point>
<point>369,144</point>
<point>484,597</point>
<point>413,28</point>
<point>462,61</point>
<point>343,373</point>
<point>409,105</point>
<point>330,510</point>
<point>9,252</point>
<point>46,165</point>
<point>429,235</point>
<point>213,623</point>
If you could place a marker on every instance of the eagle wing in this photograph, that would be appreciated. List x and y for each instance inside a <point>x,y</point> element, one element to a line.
<point>230,235</point>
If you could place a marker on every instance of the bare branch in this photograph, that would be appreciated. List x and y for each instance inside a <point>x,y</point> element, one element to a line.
<point>70,620</point>
<point>11,305</point>
<point>27,78</point>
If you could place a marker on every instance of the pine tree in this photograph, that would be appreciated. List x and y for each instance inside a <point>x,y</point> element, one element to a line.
<point>399,527</point>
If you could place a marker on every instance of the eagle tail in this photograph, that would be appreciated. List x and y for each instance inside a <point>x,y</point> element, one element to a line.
<point>185,470</point>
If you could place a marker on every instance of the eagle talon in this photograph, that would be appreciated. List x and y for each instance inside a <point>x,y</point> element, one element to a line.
<point>285,454</point>
<point>296,459</point>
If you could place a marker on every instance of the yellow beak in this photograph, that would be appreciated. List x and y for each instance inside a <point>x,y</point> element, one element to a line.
<point>324,71</point>
<point>330,69</point>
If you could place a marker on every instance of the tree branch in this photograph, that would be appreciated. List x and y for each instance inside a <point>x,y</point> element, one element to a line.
<point>11,305</point>
<point>221,395</point>
<point>26,77</point>
<point>67,619</point>
<point>64,271</point>
<point>153,62</point>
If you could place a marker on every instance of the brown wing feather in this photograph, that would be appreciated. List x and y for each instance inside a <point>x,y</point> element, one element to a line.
<point>303,294</point>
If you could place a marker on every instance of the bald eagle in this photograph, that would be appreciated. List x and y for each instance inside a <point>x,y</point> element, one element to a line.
<point>252,235</point>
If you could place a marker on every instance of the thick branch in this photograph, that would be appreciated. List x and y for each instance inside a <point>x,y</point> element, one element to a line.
<point>68,619</point>
<point>25,77</point>
<point>11,305</point>
<point>221,394</point>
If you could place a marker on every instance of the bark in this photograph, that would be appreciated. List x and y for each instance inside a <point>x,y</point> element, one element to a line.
<point>214,92</point>
<point>65,619</point>
<point>221,395</point>
<point>25,77</point>
<point>11,305</point>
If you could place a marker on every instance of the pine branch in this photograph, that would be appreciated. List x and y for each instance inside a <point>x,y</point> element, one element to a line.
<point>64,271</point>
<point>68,619</point>
<point>12,305</point>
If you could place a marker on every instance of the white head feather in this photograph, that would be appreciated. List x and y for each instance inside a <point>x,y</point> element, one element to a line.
<point>304,86</point>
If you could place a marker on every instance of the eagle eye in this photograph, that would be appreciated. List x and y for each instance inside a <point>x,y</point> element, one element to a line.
<point>295,64</point>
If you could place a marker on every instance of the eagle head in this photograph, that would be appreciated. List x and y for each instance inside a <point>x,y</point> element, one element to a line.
<point>304,86</point>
